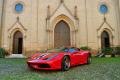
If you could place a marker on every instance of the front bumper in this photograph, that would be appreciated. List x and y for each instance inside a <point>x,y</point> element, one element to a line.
<point>44,64</point>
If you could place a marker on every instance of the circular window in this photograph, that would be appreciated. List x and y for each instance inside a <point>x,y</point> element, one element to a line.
<point>103,9</point>
<point>18,7</point>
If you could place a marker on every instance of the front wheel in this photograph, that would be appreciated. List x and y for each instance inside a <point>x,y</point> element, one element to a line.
<point>65,63</point>
<point>30,68</point>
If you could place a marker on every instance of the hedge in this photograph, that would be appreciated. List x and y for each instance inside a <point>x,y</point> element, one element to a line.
<point>2,53</point>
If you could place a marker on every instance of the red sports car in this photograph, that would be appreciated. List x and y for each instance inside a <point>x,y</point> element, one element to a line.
<point>63,59</point>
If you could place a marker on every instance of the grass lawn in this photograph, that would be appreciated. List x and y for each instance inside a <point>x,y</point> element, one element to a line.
<point>100,69</point>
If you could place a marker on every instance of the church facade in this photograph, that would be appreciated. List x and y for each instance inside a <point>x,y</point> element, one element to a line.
<point>32,25</point>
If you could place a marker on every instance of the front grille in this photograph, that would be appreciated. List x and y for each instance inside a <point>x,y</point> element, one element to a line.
<point>44,66</point>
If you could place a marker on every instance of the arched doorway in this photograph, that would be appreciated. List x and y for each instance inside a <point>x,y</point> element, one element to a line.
<point>105,39</point>
<point>17,43</point>
<point>61,35</point>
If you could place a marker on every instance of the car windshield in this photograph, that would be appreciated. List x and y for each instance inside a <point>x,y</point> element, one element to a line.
<point>71,50</point>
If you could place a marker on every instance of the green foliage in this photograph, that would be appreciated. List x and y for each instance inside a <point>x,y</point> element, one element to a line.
<point>2,53</point>
<point>61,49</point>
<point>85,48</point>
<point>107,50</point>
<point>116,50</point>
<point>42,51</point>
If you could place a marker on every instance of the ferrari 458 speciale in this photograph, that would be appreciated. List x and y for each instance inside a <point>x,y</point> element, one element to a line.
<point>61,60</point>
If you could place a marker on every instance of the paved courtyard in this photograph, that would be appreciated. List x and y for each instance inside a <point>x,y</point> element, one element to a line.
<point>100,69</point>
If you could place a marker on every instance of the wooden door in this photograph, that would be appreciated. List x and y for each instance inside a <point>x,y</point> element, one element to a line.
<point>61,35</point>
<point>17,43</point>
<point>105,39</point>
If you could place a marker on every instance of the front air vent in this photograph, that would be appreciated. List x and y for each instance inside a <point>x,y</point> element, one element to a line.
<point>44,66</point>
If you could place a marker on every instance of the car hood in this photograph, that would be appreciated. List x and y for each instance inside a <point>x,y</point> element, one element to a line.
<point>44,56</point>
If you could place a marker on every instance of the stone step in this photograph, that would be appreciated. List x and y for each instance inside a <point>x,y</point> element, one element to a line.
<point>15,56</point>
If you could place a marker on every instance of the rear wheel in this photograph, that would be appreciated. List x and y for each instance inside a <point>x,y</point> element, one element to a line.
<point>89,59</point>
<point>65,63</point>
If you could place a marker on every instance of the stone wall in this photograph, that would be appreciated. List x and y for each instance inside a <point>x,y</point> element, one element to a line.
<point>39,17</point>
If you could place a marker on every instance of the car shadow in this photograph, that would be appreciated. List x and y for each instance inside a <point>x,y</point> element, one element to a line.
<point>54,71</point>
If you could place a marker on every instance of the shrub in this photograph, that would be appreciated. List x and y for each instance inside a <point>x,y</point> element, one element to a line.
<point>116,50</point>
<point>85,48</point>
<point>41,51</point>
<point>2,53</point>
<point>107,50</point>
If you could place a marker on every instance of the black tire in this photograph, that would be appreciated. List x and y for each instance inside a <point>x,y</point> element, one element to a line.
<point>65,63</point>
<point>89,59</point>
<point>30,68</point>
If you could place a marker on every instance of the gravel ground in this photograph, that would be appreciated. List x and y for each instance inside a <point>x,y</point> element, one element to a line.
<point>99,69</point>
